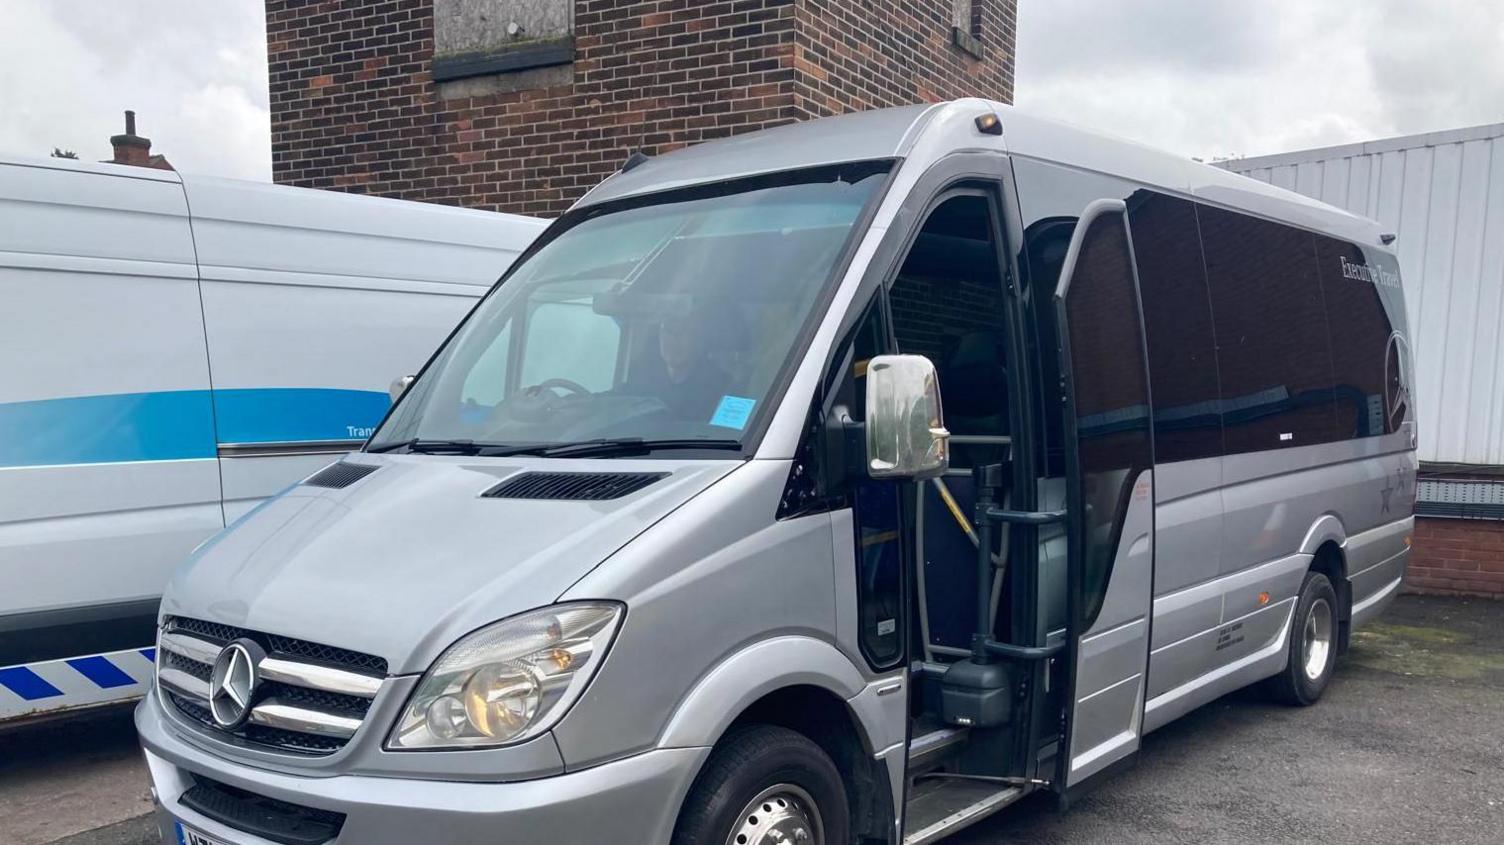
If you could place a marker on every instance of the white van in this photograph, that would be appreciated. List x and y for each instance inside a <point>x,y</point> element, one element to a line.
<point>175,349</point>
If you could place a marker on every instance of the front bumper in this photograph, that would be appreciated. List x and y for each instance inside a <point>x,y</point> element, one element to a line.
<point>635,799</point>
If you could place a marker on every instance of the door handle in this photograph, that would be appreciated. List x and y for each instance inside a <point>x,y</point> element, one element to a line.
<point>1024,517</point>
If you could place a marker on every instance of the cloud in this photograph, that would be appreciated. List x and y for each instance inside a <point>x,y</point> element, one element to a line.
<point>1213,77</point>
<point>1198,77</point>
<point>194,72</point>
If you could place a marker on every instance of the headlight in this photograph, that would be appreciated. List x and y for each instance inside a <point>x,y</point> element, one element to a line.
<point>510,681</point>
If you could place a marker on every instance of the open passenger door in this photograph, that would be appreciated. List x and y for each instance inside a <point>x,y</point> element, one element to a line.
<point>1109,460</point>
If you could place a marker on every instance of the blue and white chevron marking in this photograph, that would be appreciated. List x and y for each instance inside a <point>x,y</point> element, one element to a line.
<point>52,685</point>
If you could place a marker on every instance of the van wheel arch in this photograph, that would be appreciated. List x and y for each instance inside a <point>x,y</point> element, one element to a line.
<point>1330,561</point>
<point>822,717</point>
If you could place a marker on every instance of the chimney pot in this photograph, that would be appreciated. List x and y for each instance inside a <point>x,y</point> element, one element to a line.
<point>131,148</point>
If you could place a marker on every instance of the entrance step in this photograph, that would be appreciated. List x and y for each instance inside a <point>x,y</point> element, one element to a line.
<point>938,807</point>
<point>938,744</point>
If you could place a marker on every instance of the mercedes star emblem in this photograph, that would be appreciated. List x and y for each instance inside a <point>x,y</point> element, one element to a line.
<point>232,685</point>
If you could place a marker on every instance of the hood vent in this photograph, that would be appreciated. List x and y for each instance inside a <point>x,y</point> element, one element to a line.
<point>340,475</point>
<point>576,486</point>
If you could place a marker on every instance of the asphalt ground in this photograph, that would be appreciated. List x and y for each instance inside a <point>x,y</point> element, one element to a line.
<point>1407,746</point>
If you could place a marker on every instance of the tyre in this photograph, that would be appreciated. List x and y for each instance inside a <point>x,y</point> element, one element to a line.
<point>1313,644</point>
<point>765,785</point>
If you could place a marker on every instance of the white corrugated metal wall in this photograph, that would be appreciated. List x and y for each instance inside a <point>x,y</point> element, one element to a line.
<point>1442,194</point>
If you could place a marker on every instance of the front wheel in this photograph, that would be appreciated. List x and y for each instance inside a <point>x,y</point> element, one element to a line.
<point>1313,644</point>
<point>765,785</point>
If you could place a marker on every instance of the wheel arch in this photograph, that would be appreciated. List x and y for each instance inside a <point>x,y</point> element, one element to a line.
<point>808,686</point>
<point>1330,559</point>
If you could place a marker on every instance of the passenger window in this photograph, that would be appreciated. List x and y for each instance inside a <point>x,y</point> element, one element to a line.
<point>947,305</point>
<point>569,340</point>
<point>1372,392</point>
<point>1274,358</point>
<point>1178,327</point>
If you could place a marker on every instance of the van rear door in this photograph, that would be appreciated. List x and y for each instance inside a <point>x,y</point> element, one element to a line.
<point>108,476</point>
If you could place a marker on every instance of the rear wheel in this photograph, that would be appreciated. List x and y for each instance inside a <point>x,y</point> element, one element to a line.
<point>765,785</point>
<point>1313,644</point>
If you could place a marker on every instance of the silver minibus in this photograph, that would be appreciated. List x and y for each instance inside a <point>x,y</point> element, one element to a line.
<point>844,482</point>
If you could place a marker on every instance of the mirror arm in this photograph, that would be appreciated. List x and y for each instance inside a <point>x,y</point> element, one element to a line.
<point>843,458</point>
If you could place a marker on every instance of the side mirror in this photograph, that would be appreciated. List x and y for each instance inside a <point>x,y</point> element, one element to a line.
<point>399,387</point>
<point>906,436</point>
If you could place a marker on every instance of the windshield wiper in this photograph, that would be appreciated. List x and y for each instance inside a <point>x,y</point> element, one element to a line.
<point>606,447</point>
<point>430,447</point>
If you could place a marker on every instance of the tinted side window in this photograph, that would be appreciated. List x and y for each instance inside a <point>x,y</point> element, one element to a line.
<point>1274,357</point>
<point>1050,199</point>
<point>1111,394</point>
<point>1178,327</point>
<point>1366,359</point>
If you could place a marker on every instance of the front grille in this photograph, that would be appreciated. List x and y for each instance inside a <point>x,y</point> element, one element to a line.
<point>580,486</point>
<point>221,635</point>
<point>311,698</point>
<point>351,706</point>
<point>268,818</point>
<point>201,671</point>
<point>327,654</point>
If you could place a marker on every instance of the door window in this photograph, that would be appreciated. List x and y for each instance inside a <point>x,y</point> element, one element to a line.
<point>1111,397</point>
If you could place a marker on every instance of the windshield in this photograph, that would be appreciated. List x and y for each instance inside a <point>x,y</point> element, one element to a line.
<point>669,320</point>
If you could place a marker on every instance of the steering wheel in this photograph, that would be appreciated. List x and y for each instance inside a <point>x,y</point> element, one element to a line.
<point>573,387</point>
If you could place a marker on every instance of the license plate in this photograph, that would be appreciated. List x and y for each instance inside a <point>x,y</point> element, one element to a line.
<point>189,836</point>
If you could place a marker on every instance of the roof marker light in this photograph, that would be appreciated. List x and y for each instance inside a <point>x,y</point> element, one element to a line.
<point>988,124</point>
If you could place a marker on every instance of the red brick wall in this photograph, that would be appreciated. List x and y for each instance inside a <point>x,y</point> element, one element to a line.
<point>864,55</point>
<point>1457,556</point>
<point>354,105</point>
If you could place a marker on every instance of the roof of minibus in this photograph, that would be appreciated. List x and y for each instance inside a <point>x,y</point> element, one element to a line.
<point>924,133</point>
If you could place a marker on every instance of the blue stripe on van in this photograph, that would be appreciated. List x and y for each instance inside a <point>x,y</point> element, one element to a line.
<point>101,671</point>
<point>27,684</point>
<point>290,414</point>
<point>166,426</point>
<point>178,424</point>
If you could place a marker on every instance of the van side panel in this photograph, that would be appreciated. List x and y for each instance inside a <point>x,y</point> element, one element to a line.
<point>108,475</point>
<point>1280,370</point>
<point>314,303</point>
<point>715,584</point>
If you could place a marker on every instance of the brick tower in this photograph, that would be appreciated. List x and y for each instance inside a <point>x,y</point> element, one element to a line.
<point>522,105</point>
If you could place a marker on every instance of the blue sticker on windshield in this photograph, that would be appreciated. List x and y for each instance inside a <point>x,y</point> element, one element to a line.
<point>733,412</point>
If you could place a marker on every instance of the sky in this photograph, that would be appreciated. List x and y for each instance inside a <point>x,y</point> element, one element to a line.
<point>194,71</point>
<point>1203,78</point>
<point>1219,78</point>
